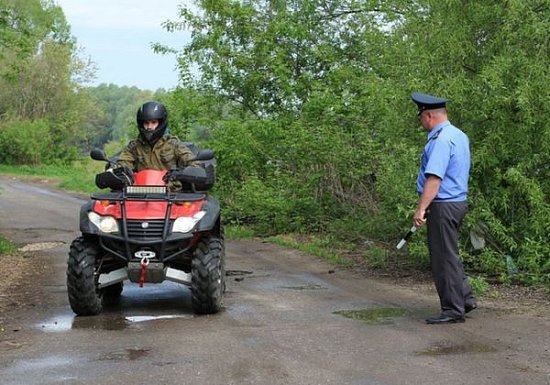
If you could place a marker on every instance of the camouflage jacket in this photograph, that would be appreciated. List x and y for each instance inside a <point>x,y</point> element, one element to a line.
<point>167,152</point>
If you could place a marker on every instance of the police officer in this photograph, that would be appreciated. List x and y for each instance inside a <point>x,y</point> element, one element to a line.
<point>154,148</point>
<point>442,185</point>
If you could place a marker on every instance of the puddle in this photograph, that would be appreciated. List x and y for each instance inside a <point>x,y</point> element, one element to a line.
<point>102,322</point>
<point>125,355</point>
<point>309,286</point>
<point>447,347</point>
<point>376,316</point>
<point>57,324</point>
<point>154,318</point>
<point>41,364</point>
<point>70,321</point>
<point>40,246</point>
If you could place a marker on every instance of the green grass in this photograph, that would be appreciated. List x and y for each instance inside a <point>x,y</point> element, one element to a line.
<point>311,247</point>
<point>6,247</point>
<point>376,316</point>
<point>376,256</point>
<point>319,246</point>
<point>238,232</point>
<point>78,177</point>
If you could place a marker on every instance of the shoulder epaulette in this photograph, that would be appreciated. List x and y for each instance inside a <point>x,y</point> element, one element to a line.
<point>434,136</point>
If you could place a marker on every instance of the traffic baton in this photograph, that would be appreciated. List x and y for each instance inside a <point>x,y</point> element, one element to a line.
<point>405,237</point>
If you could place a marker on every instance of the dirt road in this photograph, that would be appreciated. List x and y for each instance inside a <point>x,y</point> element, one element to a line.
<point>285,321</point>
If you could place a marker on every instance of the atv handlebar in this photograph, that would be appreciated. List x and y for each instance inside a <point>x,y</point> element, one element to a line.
<point>116,177</point>
<point>193,175</point>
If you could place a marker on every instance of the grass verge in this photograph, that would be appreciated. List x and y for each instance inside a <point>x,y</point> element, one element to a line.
<point>311,246</point>
<point>6,247</point>
<point>77,177</point>
<point>236,232</point>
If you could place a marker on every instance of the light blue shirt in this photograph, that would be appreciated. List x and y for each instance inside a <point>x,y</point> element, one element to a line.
<point>446,155</point>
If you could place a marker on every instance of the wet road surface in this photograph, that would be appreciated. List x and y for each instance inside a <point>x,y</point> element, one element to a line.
<point>288,318</point>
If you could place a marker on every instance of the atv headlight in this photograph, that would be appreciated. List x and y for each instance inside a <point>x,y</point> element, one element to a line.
<point>105,224</point>
<point>186,224</point>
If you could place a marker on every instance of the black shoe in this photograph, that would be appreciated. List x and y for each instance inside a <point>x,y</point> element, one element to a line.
<point>469,308</point>
<point>443,319</point>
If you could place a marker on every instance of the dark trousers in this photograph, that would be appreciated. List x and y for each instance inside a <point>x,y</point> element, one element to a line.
<point>443,221</point>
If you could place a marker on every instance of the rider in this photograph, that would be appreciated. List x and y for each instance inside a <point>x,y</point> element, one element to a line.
<point>155,148</point>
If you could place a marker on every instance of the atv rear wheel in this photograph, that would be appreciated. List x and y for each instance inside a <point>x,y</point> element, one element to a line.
<point>208,276</point>
<point>84,295</point>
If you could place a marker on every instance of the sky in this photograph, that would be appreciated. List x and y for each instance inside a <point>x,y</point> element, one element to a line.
<point>117,35</point>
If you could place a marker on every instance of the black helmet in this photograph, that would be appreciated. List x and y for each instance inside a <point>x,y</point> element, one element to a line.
<point>152,111</point>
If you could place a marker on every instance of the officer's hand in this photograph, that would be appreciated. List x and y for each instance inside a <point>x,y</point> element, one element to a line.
<point>419,218</point>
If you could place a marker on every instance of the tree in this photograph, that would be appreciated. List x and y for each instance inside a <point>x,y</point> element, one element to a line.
<point>295,68</point>
<point>24,24</point>
<point>321,116</point>
<point>38,65</point>
<point>495,65</point>
<point>118,106</point>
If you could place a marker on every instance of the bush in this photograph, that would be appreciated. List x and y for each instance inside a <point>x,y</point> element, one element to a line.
<point>24,142</point>
<point>259,205</point>
<point>479,286</point>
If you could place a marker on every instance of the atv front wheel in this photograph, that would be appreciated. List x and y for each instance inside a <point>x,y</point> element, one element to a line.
<point>208,276</point>
<point>84,295</point>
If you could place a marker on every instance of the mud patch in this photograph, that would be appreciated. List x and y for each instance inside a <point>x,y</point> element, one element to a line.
<point>14,278</point>
<point>40,246</point>
<point>125,355</point>
<point>100,323</point>
<point>376,316</point>
<point>10,345</point>
<point>238,274</point>
<point>443,348</point>
<point>229,273</point>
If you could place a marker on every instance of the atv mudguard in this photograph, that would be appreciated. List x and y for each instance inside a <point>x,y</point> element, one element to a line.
<point>209,165</point>
<point>85,226</point>
<point>212,217</point>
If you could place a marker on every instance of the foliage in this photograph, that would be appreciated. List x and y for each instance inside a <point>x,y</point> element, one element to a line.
<point>116,120</point>
<point>479,286</point>
<point>38,68</point>
<point>497,65</point>
<point>25,142</point>
<point>24,25</point>
<point>313,118</point>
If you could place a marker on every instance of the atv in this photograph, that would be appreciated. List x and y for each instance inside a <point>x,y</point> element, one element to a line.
<point>145,232</point>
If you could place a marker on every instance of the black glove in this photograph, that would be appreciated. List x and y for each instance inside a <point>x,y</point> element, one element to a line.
<point>125,175</point>
<point>171,175</point>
